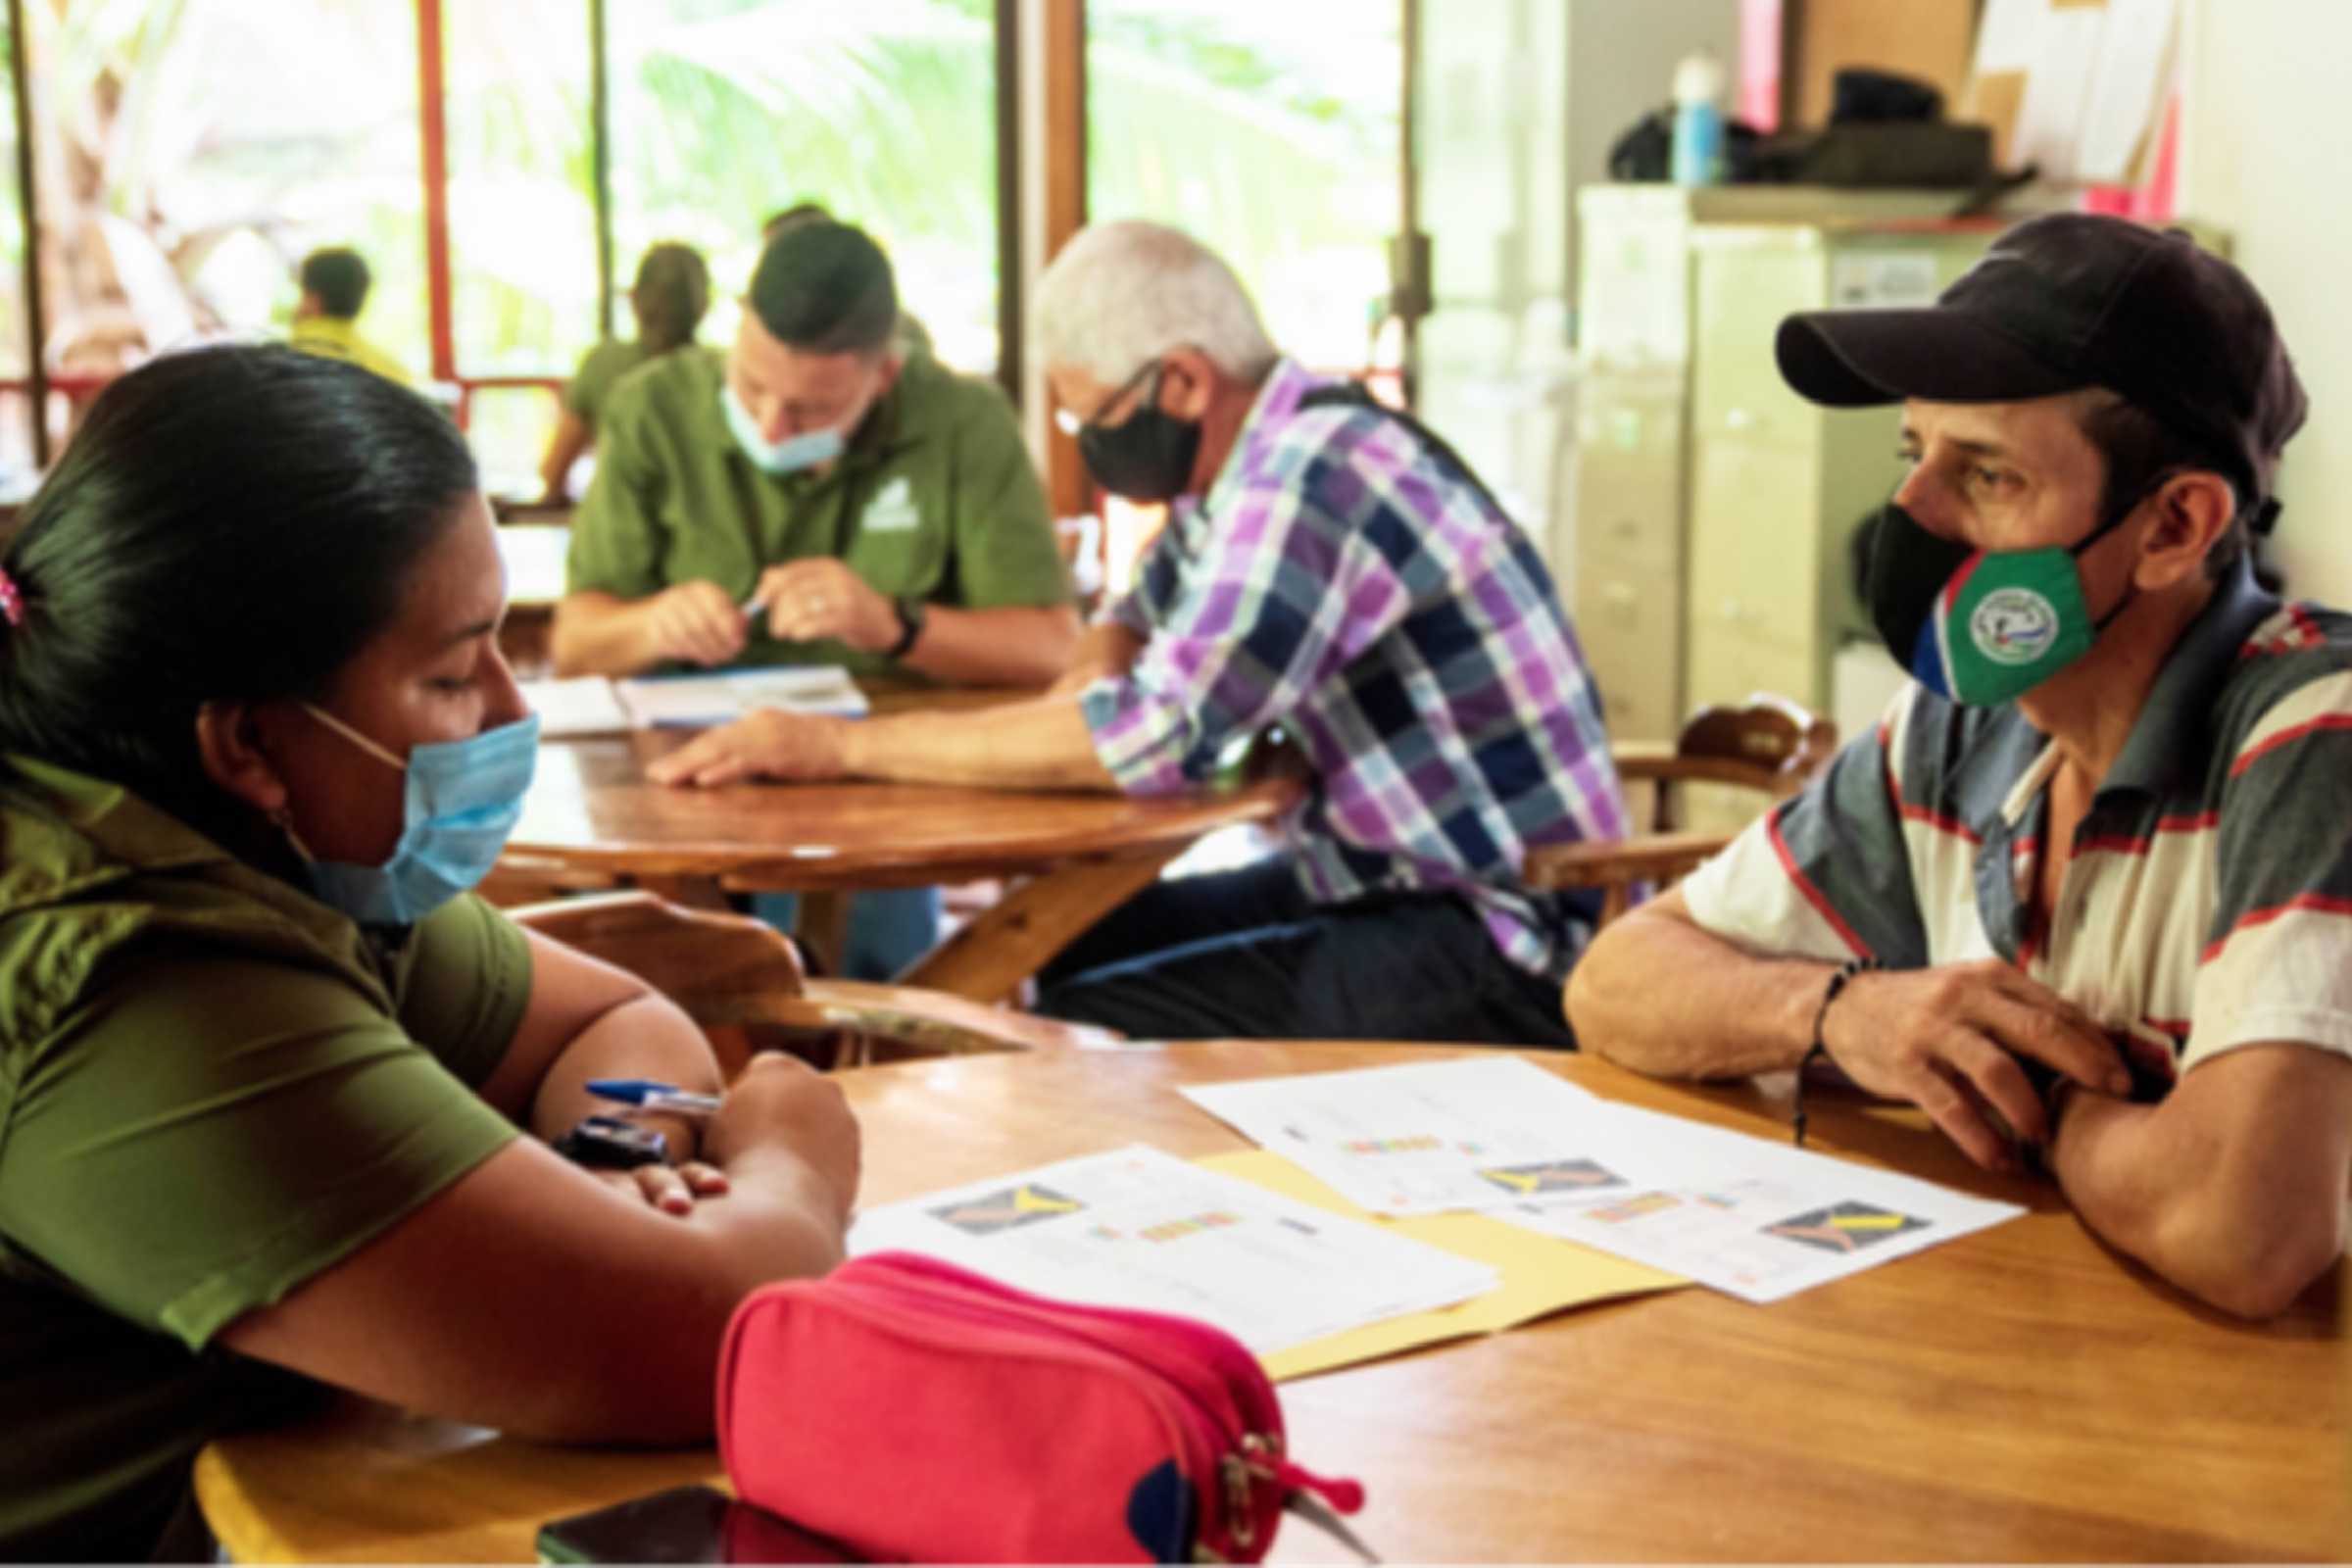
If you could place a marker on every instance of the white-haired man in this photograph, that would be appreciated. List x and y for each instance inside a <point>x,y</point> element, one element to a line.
<point>1342,574</point>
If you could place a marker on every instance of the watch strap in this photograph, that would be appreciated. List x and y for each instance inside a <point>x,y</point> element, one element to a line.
<point>910,625</point>
<point>607,1143</point>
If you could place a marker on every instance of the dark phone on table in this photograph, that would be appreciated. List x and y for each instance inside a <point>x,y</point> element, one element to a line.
<point>685,1524</point>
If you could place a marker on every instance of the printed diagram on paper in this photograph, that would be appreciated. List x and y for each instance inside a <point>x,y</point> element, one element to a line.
<point>1427,1138</point>
<point>1752,1218</point>
<point>1139,1228</point>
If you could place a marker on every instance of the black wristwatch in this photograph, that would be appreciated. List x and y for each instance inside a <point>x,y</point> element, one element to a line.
<point>607,1143</point>
<point>910,625</point>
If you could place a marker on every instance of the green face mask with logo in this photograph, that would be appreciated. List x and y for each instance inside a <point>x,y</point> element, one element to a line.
<point>1980,626</point>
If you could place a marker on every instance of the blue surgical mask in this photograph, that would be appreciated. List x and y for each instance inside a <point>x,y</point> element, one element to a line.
<point>462,799</point>
<point>787,456</point>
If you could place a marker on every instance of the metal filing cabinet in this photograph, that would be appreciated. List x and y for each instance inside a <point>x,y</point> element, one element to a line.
<point>1776,483</point>
<point>1640,339</point>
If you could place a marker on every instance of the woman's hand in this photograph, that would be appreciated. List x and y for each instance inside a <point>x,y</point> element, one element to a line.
<point>672,1189</point>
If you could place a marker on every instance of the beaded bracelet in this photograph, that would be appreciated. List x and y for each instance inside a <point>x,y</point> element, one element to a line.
<point>1844,974</point>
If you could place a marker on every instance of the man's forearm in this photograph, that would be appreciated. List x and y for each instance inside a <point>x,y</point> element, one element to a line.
<point>1105,649</point>
<point>1657,995</point>
<point>1010,646</point>
<point>599,634</point>
<point>1039,744</point>
<point>2232,1187</point>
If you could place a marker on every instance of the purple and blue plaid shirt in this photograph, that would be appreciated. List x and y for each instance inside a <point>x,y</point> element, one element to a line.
<point>1342,580</point>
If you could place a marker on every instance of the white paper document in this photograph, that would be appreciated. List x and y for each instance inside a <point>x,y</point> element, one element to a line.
<point>1424,1137</point>
<point>1750,1218</point>
<point>717,699</point>
<point>1141,1229</point>
<point>581,704</point>
<point>592,704</point>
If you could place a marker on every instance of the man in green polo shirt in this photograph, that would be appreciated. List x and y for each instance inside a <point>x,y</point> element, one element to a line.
<point>811,496</point>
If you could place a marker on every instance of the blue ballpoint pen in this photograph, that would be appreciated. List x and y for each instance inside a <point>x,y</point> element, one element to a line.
<point>645,1093</point>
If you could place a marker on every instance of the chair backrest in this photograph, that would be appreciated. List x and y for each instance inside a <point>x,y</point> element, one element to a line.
<point>726,970</point>
<point>1772,746</point>
<point>732,974</point>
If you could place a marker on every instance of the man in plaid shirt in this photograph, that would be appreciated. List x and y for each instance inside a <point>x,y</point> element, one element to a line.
<point>1329,567</point>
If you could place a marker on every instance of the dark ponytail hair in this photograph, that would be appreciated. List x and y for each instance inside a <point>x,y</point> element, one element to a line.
<point>671,292</point>
<point>229,522</point>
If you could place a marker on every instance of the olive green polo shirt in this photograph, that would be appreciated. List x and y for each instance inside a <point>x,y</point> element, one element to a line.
<point>591,385</point>
<point>213,1086</point>
<point>935,497</point>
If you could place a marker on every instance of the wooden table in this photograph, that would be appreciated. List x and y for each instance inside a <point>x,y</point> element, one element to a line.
<point>592,819</point>
<point>2018,1395</point>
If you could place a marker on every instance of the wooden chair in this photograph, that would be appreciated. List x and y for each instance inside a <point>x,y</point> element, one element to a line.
<point>1772,746</point>
<point>732,973</point>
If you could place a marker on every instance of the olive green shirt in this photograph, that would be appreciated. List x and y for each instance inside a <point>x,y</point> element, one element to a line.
<point>591,385</point>
<point>935,497</point>
<point>213,1086</point>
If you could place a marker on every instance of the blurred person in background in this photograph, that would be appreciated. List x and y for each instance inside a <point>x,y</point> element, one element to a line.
<point>334,290</point>
<point>668,299</point>
<point>815,496</point>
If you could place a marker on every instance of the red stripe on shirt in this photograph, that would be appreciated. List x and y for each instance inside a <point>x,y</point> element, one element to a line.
<point>1813,895</point>
<point>2293,732</point>
<point>2120,844</point>
<point>2315,902</point>
<point>2302,632</point>
<point>1938,821</point>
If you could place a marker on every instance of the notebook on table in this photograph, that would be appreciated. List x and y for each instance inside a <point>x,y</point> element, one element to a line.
<point>593,705</point>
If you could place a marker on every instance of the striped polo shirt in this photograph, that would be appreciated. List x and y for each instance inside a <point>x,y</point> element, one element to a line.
<point>1344,580</point>
<point>2209,900</point>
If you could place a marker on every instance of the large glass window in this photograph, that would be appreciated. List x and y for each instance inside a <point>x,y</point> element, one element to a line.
<point>188,156</point>
<point>727,111</point>
<point>1267,132</point>
<point>521,218</point>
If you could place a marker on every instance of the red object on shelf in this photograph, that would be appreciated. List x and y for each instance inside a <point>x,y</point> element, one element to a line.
<point>2151,202</point>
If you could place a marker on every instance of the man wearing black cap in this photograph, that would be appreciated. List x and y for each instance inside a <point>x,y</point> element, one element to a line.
<point>2085,895</point>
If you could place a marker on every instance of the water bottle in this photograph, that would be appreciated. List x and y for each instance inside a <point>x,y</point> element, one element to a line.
<point>1697,121</point>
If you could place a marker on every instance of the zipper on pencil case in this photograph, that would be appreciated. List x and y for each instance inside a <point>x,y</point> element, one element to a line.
<point>919,1326</point>
<point>1236,1397</point>
<point>1208,1450</point>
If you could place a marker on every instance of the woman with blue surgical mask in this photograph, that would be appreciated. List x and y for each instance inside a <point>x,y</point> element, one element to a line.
<point>278,1094</point>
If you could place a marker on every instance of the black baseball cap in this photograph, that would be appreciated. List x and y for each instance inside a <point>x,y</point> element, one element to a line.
<point>2069,300</point>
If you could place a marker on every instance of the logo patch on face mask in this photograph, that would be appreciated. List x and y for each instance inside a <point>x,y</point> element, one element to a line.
<point>2013,626</point>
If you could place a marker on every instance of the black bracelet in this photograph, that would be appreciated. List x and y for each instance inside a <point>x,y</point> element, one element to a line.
<point>910,625</point>
<point>1844,974</point>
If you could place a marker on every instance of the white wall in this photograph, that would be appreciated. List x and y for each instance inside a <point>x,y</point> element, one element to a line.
<point>2267,154</point>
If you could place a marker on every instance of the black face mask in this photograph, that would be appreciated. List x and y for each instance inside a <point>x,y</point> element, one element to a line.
<point>1145,457</point>
<point>1981,626</point>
